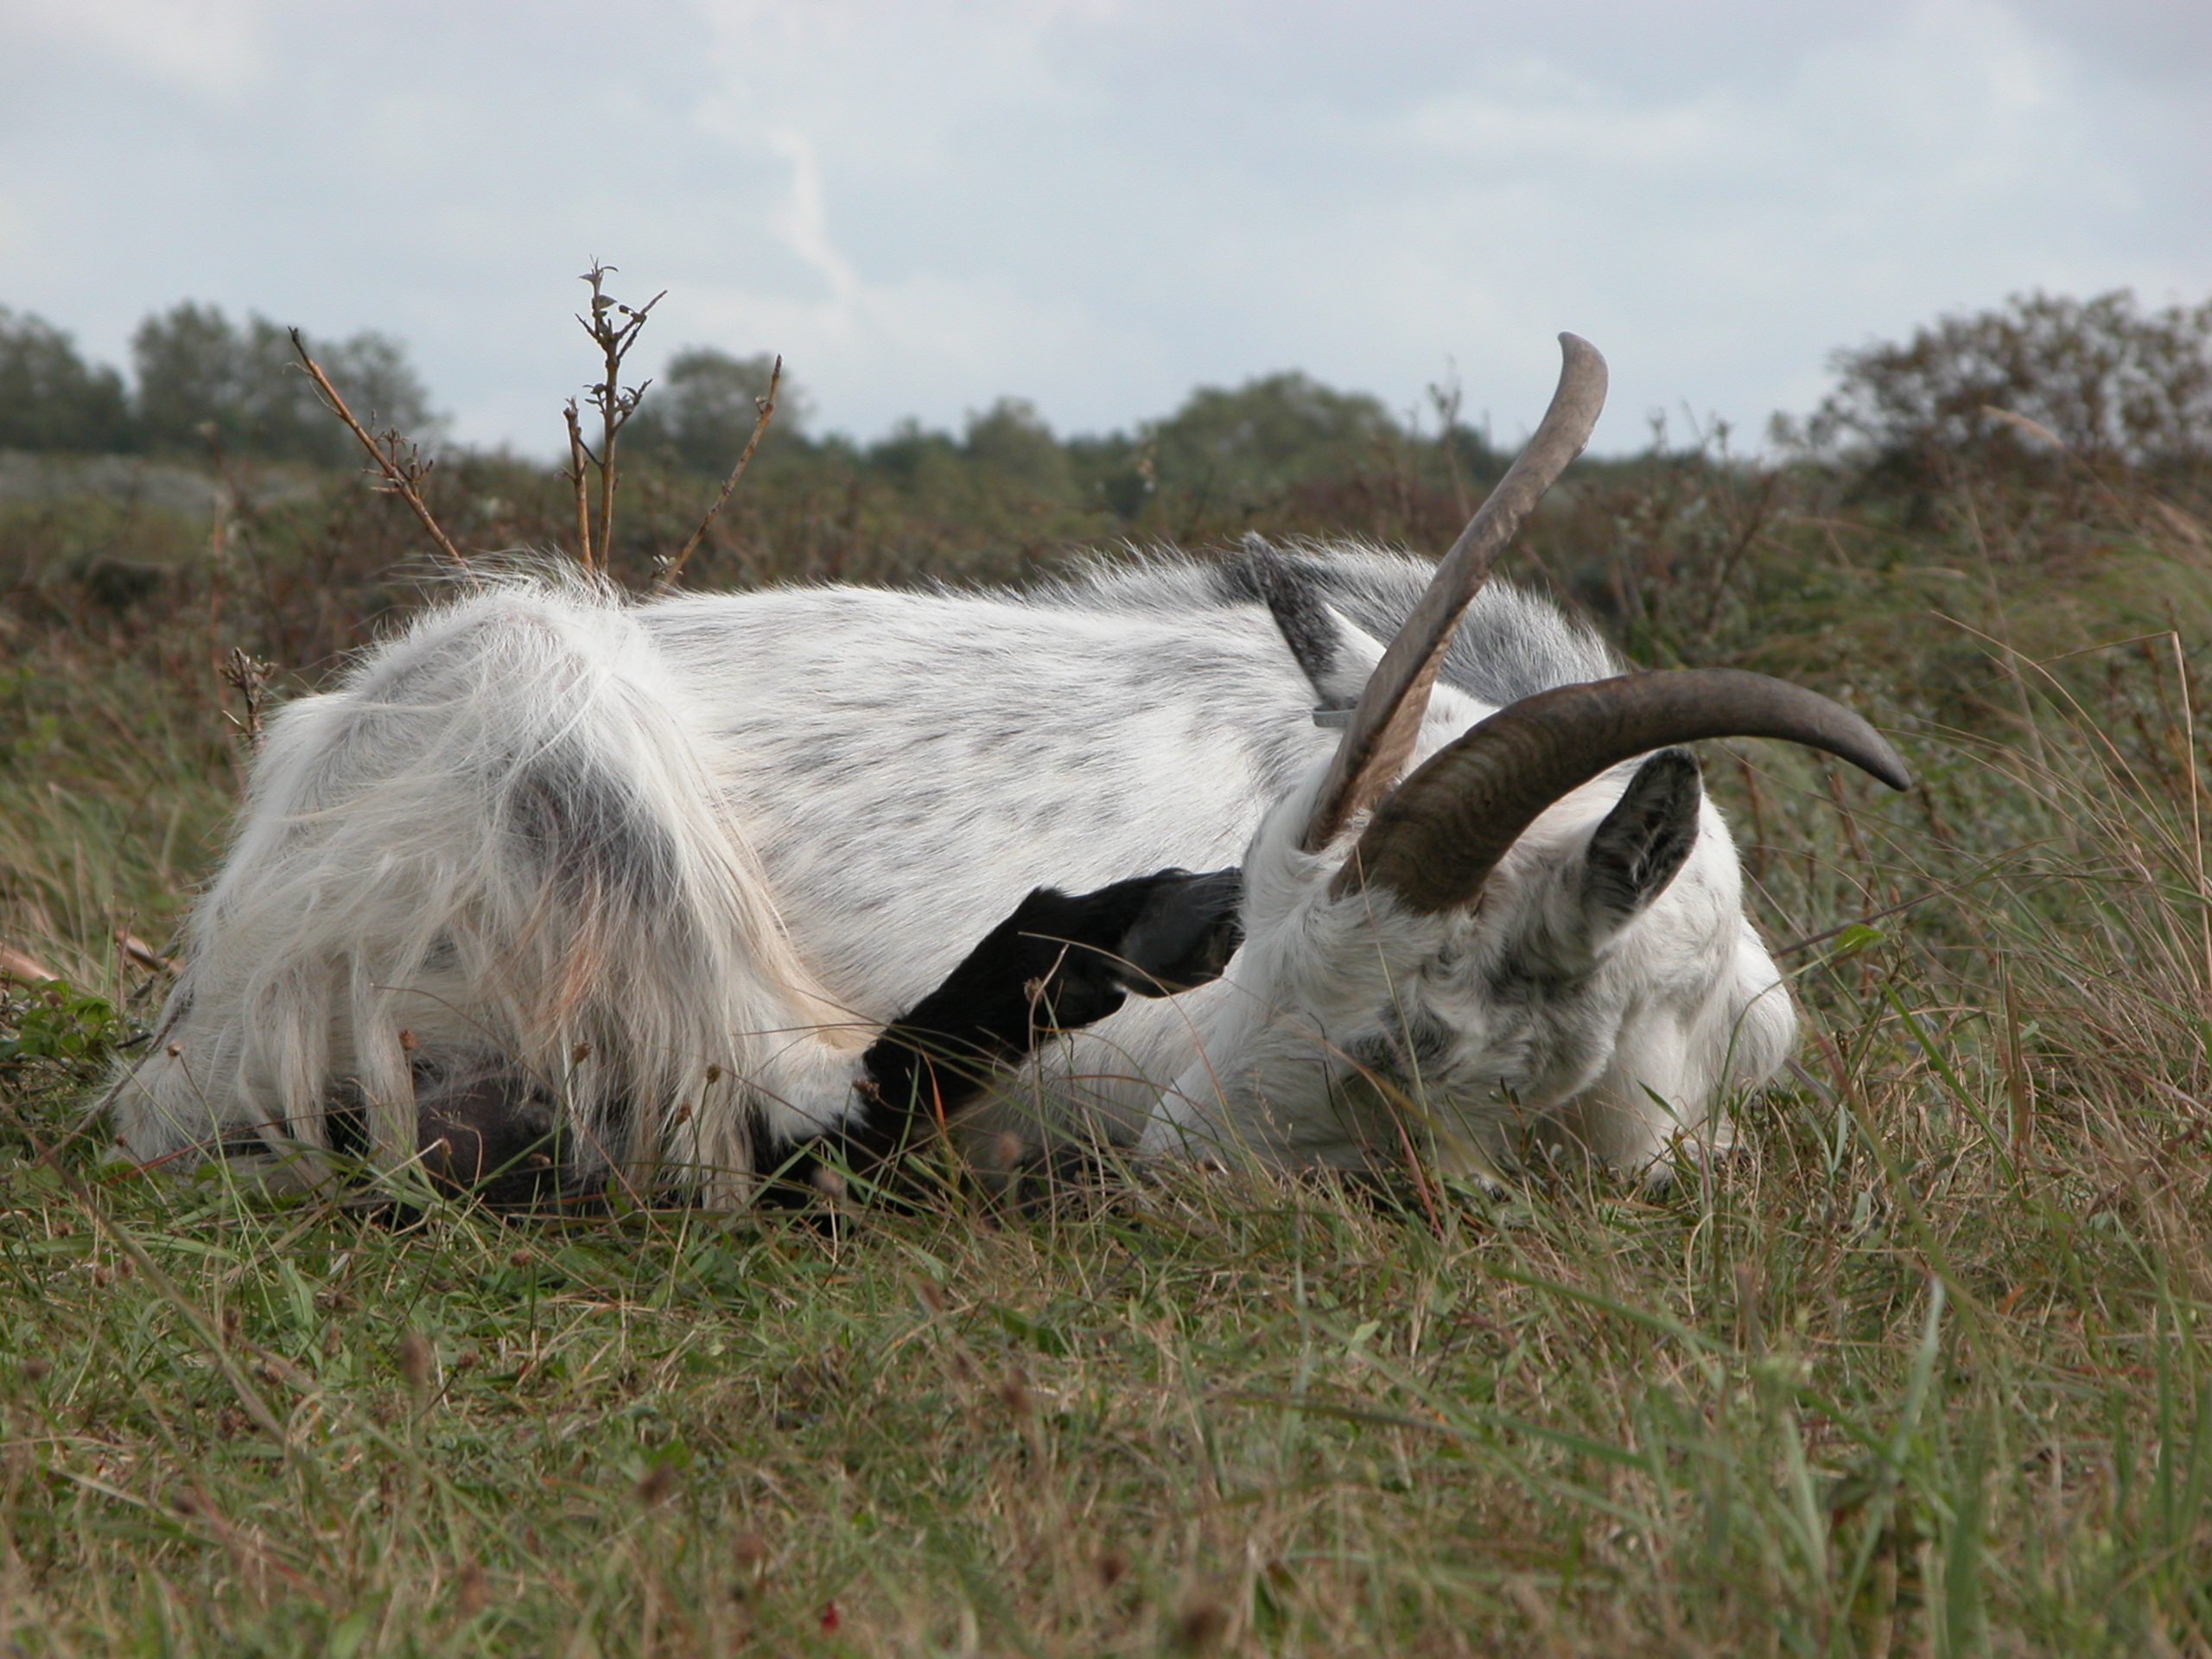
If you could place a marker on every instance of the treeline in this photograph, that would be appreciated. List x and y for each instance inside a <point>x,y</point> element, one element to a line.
<point>2104,378</point>
<point>197,376</point>
<point>2041,382</point>
<point>2013,433</point>
<point>1224,448</point>
<point>197,379</point>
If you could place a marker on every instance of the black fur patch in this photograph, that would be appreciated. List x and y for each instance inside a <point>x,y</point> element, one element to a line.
<point>485,1131</point>
<point>1060,961</point>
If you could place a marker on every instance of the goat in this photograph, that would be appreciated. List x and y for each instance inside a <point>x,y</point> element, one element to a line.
<point>555,886</point>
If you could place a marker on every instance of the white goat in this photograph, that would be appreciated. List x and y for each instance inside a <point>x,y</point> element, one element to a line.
<point>556,883</point>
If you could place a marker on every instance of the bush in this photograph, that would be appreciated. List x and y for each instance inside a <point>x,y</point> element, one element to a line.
<point>2109,381</point>
<point>1248,444</point>
<point>701,415</point>
<point>60,1026</point>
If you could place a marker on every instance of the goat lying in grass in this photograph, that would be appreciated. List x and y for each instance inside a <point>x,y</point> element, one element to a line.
<point>556,885</point>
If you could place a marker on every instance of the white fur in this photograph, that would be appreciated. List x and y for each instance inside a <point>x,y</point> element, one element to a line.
<point>679,860</point>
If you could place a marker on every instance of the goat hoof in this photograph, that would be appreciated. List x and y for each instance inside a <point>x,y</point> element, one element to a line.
<point>485,1133</point>
<point>1186,933</point>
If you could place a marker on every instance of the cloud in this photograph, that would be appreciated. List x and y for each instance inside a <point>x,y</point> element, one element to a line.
<point>209,48</point>
<point>1097,205</point>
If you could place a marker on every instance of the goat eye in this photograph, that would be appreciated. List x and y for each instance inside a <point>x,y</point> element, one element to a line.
<point>1416,1045</point>
<point>1429,1040</point>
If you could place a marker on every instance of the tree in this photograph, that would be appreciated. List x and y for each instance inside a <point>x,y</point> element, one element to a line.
<point>2109,381</point>
<point>1245,445</point>
<point>1012,440</point>
<point>701,413</point>
<point>196,371</point>
<point>50,398</point>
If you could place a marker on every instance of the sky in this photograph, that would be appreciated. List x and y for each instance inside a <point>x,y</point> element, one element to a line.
<point>1097,205</point>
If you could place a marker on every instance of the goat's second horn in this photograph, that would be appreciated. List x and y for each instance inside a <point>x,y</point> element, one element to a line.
<point>1379,737</point>
<point>1436,840</point>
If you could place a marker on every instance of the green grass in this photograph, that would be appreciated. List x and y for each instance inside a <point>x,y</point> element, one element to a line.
<point>1921,1371</point>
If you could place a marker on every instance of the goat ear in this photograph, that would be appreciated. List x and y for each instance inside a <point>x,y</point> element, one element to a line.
<point>1336,656</point>
<point>1643,841</point>
<point>1341,675</point>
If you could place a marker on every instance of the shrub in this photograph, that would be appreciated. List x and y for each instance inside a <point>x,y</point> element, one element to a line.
<point>703,407</point>
<point>2112,383</point>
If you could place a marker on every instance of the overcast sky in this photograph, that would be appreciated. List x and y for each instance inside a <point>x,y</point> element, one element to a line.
<point>1097,205</point>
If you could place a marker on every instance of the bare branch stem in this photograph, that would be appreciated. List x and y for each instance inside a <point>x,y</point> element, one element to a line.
<point>400,479</point>
<point>616,403</point>
<point>767,408</point>
<point>251,679</point>
<point>611,418</point>
<point>580,478</point>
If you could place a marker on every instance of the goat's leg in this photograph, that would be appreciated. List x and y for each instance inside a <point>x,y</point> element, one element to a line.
<point>1061,961</point>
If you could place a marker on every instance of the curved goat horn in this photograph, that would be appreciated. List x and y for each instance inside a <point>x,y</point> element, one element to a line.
<point>1435,840</point>
<point>1379,737</point>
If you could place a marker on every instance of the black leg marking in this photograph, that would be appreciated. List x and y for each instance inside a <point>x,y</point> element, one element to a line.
<point>792,1176</point>
<point>345,1119</point>
<point>1061,961</point>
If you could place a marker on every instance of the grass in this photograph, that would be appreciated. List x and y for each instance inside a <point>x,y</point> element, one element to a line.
<point>1919,1372</point>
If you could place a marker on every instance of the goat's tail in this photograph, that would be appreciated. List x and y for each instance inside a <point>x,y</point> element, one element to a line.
<point>496,851</point>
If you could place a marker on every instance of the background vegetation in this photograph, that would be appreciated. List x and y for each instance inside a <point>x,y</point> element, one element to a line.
<point>1922,1372</point>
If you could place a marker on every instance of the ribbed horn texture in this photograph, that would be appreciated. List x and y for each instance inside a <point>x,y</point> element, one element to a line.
<point>1435,840</point>
<point>1379,737</point>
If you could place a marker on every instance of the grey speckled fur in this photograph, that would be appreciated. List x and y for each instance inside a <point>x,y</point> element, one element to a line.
<point>1510,644</point>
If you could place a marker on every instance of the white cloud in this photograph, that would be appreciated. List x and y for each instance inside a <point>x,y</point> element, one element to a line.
<point>210,47</point>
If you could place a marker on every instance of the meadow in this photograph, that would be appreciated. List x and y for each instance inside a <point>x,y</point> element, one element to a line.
<point>1918,1372</point>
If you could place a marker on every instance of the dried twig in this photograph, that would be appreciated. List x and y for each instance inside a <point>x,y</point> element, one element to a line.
<point>250,679</point>
<point>140,954</point>
<point>1445,396</point>
<point>766,405</point>
<point>400,462</point>
<point>578,476</point>
<point>616,402</point>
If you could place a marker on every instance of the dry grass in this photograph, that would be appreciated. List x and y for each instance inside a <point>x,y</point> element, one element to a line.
<point>1920,1373</point>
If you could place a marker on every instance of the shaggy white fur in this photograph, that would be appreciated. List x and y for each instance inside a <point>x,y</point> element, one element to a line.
<point>677,862</point>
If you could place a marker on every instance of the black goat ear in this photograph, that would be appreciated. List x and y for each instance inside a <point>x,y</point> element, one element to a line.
<point>1643,841</point>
